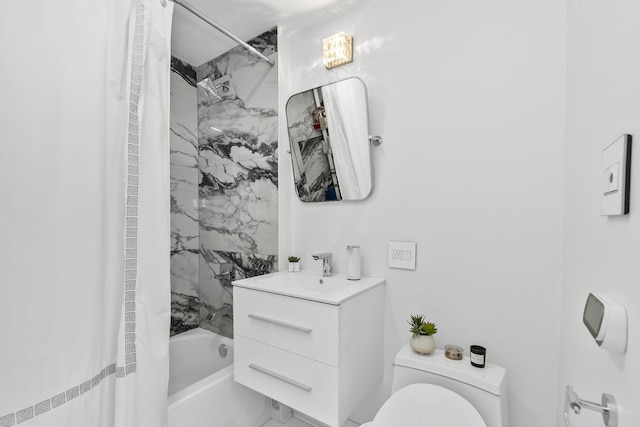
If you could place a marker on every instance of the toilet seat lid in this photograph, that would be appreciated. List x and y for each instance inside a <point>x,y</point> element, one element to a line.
<point>427,405</point>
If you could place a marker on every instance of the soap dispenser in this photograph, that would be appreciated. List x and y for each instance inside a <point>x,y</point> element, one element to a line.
<point>353,262</point>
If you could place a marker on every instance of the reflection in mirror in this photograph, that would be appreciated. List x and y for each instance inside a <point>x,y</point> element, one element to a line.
<point>329,140</point>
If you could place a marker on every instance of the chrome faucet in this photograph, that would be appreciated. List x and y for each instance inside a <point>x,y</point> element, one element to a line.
<point>227,274</point>
<point>225,310</point>
<point>326,263</point>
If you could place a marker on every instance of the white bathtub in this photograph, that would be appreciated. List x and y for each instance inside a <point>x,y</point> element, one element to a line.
<point>202,392</point>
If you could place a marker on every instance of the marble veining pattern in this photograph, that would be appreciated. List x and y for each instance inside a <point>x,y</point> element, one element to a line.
<point>185,230</point>
<point>185,312</point>
<point>183,70</point>
<point>238,190</point>
<point>312,167</point>
<point>317,175</point>
<point>300,117</point>
<point>238,57</point>
<point>224,180</point>
<point>217,290</point>
<point>240,218</point>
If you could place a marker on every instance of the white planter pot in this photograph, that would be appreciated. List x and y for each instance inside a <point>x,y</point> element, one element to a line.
<point>423,344</point>
<point>294,266</point>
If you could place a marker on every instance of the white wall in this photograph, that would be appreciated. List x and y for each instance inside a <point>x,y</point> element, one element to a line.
<point>600,253</point>
<point>469,97</point>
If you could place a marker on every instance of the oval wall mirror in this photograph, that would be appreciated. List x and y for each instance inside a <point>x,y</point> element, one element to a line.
<point>329,140</point>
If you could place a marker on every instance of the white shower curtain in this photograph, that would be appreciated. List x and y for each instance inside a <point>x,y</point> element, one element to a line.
<point>84,213</point>
<point>343,104</point>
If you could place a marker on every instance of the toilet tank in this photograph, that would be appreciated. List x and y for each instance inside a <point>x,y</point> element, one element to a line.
<point>485,388</point>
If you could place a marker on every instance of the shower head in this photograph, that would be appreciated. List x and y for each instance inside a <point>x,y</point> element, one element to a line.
<point>217,90</point>
<point>209,90</point>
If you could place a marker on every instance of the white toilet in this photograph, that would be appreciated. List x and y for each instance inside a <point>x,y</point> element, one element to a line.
<point>431,390</point>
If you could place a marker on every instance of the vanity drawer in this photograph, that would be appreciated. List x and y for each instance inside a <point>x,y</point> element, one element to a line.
<point>300,326</point>
<point>305,385</point>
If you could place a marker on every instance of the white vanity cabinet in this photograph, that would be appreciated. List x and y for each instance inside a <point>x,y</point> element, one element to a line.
<point>315,348</point>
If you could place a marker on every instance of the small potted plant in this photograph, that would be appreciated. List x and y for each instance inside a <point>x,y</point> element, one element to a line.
<point>422,340</point>
<point>294,263</point>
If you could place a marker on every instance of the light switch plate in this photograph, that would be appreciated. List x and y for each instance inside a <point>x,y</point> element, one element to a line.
<point>616,177</point>
<point>402,255</point>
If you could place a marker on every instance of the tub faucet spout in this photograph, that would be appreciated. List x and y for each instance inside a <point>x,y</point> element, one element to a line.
<point>225,310</point>
<point>326,263</point>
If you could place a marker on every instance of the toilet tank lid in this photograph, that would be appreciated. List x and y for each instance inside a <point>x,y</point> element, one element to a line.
<point>491,378</point>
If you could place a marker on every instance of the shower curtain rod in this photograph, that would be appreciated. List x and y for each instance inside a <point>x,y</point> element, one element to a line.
<point>223,30</point>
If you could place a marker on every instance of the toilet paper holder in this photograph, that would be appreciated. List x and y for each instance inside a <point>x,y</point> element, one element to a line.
<point>607,408</point>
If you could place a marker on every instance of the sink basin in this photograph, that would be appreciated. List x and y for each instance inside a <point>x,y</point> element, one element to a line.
<point>310,285</point>
<point>305,280</point>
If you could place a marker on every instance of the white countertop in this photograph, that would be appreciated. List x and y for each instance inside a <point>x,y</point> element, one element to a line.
<point>310,285</point>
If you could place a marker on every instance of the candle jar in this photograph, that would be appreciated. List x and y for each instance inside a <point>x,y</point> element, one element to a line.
<point>478,356</point>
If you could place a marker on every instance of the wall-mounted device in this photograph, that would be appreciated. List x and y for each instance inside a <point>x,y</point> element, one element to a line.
<point>616,177</point>
<point>606,320</point>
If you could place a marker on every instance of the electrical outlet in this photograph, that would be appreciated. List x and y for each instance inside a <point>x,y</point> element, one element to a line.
<point>402,255</point>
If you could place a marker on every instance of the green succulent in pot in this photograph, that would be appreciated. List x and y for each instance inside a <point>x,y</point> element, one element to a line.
<point>421,327</point>
<point>422,340</point>
<point>294,263</point>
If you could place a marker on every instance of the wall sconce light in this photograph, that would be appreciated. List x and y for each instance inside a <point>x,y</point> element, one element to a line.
<point>337,50</point>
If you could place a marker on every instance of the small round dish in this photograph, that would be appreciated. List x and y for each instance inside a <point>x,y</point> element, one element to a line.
<point>453,352</point>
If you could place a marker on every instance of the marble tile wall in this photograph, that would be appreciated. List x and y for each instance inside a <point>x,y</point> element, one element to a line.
<point>224,184</point>
<point>238,163</point>
<point>185,229</point>
<point>312,170</point>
